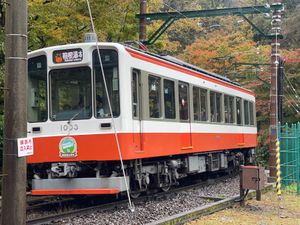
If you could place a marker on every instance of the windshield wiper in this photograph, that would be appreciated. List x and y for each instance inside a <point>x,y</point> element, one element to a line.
<point>75,115</point>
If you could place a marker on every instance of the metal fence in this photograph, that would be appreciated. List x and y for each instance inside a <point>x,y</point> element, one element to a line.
<point>289,137</point>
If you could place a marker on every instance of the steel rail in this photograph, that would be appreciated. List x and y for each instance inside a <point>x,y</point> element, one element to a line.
<point>210,208</point>
<point>124,203</point>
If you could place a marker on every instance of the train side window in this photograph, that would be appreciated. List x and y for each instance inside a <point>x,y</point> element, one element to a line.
<point>219,107</point>
<point>251,113</point>
<point>154,97</point>
<point>183,101</point>
<point>109,59</point>
<point>212,97</point>
<point>37,107</point>
<point>203,105</point>
<point>246,112</point>
<point>239,110</point>
<point>196,103</point>
<point>135,94</point>
<point>229,108</point>
<point>215,106</point>
<point>169,99</point>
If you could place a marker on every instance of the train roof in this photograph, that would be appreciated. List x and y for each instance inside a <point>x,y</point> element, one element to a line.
<point>187,65</point>
<point>167,58</point>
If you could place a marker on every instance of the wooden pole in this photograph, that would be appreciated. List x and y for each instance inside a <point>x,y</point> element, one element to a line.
<point>143,21</point>
<point>15,113</point>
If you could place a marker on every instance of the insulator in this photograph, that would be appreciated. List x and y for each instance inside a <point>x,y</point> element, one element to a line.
<point>276,20</point>
<point>276,17</point>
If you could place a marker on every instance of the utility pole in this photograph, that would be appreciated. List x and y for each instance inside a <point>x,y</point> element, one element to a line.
<point>15,113</point>
<point>143,21</point>
<point>275,58</point>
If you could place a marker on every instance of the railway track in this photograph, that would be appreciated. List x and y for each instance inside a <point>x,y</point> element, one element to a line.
<point>216,206</point>
<point>116,204</point>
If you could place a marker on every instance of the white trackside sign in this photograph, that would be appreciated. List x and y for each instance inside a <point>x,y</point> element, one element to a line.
<point>25,147</point>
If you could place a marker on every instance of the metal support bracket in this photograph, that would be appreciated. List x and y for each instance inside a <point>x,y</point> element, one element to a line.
<point>261,34</point>
<point>160,31</point>
<point>170,17</point>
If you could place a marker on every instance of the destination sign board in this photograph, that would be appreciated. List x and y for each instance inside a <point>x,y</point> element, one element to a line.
<point>68,55</point>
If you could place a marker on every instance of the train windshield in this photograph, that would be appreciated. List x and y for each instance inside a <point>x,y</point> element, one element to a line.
<point>109,59</point>
<point>70,94</point>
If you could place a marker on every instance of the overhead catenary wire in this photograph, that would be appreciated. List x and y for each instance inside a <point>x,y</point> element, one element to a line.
<point>292,100</point>
<point>291,85</point>
<point>131,206</point>
<point>291,95</point>
<point>296,110</point>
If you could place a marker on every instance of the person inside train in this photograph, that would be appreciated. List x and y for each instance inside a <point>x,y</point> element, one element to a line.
<point>100,107</point>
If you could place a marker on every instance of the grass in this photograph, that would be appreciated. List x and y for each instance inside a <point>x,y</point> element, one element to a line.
<point>269,211</point>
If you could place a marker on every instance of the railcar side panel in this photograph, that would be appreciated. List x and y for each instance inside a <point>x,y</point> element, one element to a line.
<point>103,147</point>
<point>171,148</point>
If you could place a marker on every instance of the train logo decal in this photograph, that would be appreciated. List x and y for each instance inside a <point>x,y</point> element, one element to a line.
<point>67,147</point>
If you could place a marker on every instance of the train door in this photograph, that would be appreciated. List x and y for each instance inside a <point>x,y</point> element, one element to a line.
<point>136,110</point>
<point>239,118</point>
<point>184,116</point>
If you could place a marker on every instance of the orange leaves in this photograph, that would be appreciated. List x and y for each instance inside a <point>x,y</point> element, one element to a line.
<point>292,56</point>
<point>220,50</point>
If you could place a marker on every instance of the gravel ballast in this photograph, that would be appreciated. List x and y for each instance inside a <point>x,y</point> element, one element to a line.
<point>154,210</point>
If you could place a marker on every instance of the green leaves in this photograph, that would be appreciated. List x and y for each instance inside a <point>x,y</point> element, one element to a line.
<point>61,22</point>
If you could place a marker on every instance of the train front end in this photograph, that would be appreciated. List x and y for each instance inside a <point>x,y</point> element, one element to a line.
<point>69,119</point>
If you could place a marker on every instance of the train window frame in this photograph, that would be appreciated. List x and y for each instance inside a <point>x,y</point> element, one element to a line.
<point>117,106</point>
<point>174,100</point>
<point>82,110</point>
<point>229,106</point>
<point>159,104</point>
<point>240,117</point>
<point>136,104</point>
<point>33,101</point>
<point>246,112</point>
<point>181,101</point>
<point>200,105</point>
<point>214,106</point>
<point>206,105</point>
<point>196,104</point>
<point>253,113</point>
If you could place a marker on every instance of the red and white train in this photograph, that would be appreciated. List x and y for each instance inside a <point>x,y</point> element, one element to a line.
<point>172,120</point>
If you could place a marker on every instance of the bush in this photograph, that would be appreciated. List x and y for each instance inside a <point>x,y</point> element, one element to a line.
<point>262,150</point>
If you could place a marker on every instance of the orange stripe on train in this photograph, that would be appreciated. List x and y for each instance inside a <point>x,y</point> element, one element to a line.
<point>103,146</point>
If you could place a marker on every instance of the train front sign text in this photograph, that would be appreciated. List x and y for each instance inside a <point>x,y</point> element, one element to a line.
<point>67,56</point>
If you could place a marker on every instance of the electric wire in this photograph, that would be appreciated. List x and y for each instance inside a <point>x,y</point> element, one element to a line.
<point>293,94</point>
<point>175,10</point>
<point>292,101</point>
<point>297,111</point>
<point>291,85</point>
<point>110,108</point>
<point>289,96</point>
